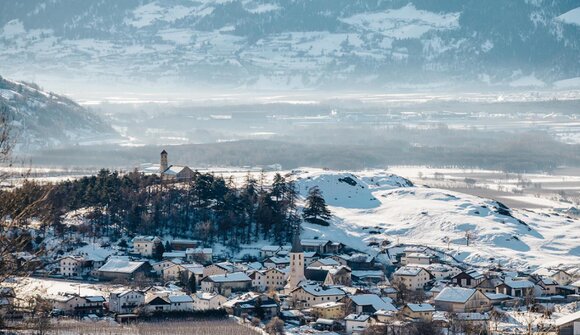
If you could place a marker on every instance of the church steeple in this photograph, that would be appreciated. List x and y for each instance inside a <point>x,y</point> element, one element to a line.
<point>296,261</point>
<point>163,164</point>
<point>296,245</point>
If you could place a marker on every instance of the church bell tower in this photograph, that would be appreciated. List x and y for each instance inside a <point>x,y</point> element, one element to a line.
<point>163,165</point>
<point>296,261</point>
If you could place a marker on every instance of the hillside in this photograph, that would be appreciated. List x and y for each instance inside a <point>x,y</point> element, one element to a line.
<point>295,44</point>
<point>385,207</point>
<point>43,120</point>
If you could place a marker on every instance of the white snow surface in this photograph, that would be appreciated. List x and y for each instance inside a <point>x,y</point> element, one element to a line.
<point>571,17</point>
<point>376,209</point>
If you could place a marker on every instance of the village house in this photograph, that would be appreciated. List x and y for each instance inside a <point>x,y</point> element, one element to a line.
<point>264,280</point>
<point>328,310</point>
<point>312,245</point>
<point>307,295</point>
<point>218,269</point>
<point>73,266</point>
<point>225,284</point>
<point>368,304</point>
<point>145,245</point>
<point>126,301</point>
<point>469,278</point>
<point>419,311</point>
<point>277,262</point>
<point>183,272</point>
<point>199,255</point>
<point>180,244</point>
<point>416,258</point>
<point>461,300</point>
<point>414,278</point>
<point>73,304</point>
<point>368,277</point>
<point>158,267</point>
<point>569,324</point>
<point>489,285</point>
<point>329,275</point>
<point>248,303</point>
<point>357,323</point>
<point>325,262</point>
<point>269,251</point>
<point>362,261</point>
<point>180,303</point>
<point>562,277</point>
<point>121,269</point>
<point>516,287</point>
<point>203,301</point>
<point>157,304</point>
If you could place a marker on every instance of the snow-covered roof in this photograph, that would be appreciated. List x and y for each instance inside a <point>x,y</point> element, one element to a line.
<point>474,274</point>
<point>184,298</point>
<point>174,254</point>
<point>95,298</point>
<point>328,261</point>
<point>121,266</point>
<point>205,295</point>
<point>318,290</point>
<point>567,319</point>
<point>278,260</point>
<point>421,307</point>
<point>328,304</point>
<point>229,277</point>
<point>174,169</point>
<point>418,255</point>
<point>273,248</point>
<point>372,300</point>
<point>455,294</point>
<point>519,283</point>
<point>313,242</point>
<point>368,273</point>
<point>408,271</point>
<point>357,317</point>
<point>145,239</point>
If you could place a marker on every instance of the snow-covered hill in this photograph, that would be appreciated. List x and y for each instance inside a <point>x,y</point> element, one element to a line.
<point>375,206</point>
<point>294,44</point>
<point>42,119</point>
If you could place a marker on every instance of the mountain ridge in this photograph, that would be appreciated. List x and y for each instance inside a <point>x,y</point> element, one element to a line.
<point>297,44</point>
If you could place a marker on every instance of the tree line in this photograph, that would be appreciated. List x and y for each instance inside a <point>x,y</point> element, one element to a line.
<point>208,207</point>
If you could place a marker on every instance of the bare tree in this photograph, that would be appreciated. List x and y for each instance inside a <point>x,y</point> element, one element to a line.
<point>275,326</point>
<point>470,235</point>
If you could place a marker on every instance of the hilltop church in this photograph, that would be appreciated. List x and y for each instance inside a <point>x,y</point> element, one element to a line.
<point>166,171</point>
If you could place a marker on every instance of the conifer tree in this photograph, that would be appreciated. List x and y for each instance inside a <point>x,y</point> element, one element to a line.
<point>315,209</point>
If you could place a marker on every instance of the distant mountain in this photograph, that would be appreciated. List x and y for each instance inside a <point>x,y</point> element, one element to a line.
<point>296,43</point>
<point>42,120</point>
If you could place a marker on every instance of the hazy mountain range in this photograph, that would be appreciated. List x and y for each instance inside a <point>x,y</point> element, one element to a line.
<point>41,120</point>
<point>285,44</point>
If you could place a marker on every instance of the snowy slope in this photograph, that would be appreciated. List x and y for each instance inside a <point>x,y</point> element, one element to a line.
<point>41,119</point>
<point>418,215</point>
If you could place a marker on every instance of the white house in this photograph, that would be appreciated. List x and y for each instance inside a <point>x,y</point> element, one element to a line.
<point>72,266</point>
<point>180,303</point>
<point>126,301</point>
<point>145,245</point>
<point>226,283</point>
<point>414,278</point>
<point>183,271</point>
<point>203,301</point>
<point>263,280</point>
<point>357,323</point>
<point>308,295</point>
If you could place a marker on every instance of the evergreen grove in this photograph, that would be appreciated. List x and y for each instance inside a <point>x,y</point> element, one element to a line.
<point>208,207</point>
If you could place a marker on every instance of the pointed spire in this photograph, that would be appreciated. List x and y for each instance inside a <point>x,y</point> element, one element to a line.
<point>296,245</point>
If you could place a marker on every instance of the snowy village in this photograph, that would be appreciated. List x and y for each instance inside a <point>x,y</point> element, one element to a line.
<point>311,285</point>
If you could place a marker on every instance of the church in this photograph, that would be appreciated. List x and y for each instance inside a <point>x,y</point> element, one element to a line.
<point>166,171</point>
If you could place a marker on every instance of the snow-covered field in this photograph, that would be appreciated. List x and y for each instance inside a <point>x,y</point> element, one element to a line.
<point>376,208</point>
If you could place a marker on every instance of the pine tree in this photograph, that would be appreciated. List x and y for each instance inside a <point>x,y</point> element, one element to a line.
<point>316,210</point>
